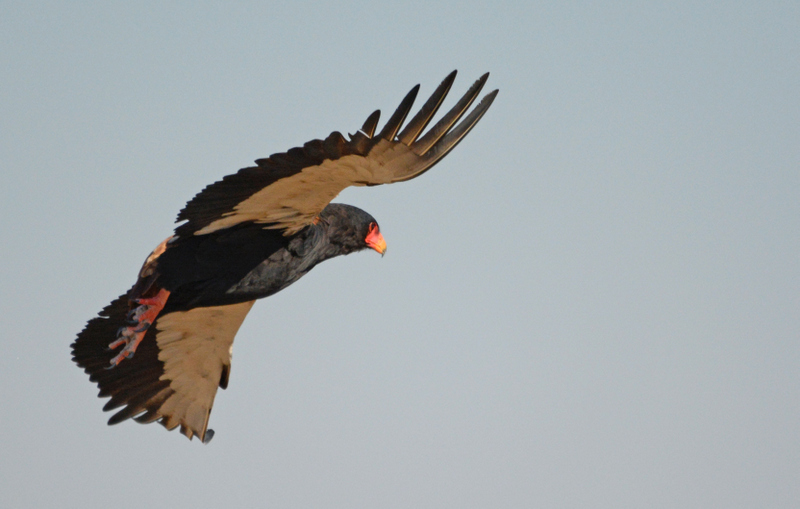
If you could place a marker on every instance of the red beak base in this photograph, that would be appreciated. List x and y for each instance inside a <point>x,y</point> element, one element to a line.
<point>375,240</point>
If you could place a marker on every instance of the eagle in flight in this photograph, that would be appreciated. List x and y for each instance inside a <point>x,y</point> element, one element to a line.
<point>161,350</point>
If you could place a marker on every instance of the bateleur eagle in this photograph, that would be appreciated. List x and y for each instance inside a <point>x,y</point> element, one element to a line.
<point>161,350</point>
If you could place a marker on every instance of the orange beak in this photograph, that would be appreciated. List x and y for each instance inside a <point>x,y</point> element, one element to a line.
<point>375,239</point>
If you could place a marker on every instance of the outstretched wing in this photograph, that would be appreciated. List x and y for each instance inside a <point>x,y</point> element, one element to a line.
<point>174,375</point>
<point>287,191</point>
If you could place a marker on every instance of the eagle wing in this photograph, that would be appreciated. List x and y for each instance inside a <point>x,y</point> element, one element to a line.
<point>173,377</point>
<point>287,191</point>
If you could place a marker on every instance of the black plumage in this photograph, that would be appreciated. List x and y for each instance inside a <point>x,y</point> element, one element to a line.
<point>249,262</point>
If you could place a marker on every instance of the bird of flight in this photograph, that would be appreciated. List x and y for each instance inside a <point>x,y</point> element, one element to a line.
<point>161,350</point>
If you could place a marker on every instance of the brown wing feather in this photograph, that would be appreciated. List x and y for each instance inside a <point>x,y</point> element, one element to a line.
<point>174,375</point>
<point>287,191</point>
<point>195,347</point>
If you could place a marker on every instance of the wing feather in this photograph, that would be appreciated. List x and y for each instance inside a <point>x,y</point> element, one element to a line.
<point>371,123</point>
<point>389,131</point>
<point>424,144</point>
<point>174,375</point>
<point>453,137</point>
<point>287,191</point>
<point>426,113</point>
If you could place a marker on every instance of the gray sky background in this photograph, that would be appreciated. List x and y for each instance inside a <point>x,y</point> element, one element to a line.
<point>592,302</point>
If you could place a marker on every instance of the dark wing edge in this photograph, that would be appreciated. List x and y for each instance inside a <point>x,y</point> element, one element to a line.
<point>144,388</point>
<point>446,134</point>
<point>220,199</point>
<point>135,383</point>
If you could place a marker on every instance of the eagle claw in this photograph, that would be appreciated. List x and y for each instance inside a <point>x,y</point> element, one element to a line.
<point>143,327</point>
<point>139,319</point>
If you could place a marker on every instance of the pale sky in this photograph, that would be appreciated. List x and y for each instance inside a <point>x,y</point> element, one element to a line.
<point>591,302</point>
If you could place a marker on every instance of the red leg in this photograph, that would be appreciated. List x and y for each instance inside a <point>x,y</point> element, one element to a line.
<point>142,317</point>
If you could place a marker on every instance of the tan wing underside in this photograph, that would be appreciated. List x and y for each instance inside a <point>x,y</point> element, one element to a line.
<point>293,202</point>
<point>195,347</point>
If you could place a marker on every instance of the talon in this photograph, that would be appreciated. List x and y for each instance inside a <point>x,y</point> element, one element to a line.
<point>139,319</point>
<point>145,325</point>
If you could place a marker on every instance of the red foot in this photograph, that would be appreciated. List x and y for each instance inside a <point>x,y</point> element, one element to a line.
<point>143,316</point>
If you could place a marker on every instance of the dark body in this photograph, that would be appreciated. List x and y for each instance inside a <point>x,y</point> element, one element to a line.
<point>250,262</point>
